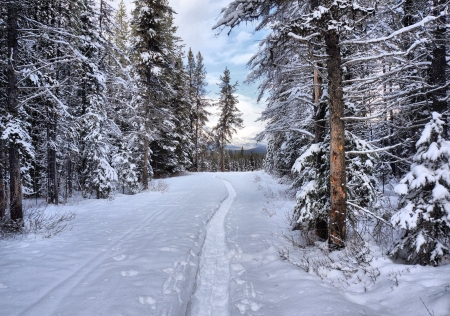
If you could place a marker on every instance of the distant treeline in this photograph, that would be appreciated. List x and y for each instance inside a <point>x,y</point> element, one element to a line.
<point>234,160</point>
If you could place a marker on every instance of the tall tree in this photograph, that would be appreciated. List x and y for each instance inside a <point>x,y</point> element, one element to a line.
<point>14,131</point>
<point>230,117</point>
<point>197,90</point>
<point>151,50</point>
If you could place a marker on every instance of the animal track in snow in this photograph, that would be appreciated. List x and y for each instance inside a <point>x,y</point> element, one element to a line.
<point>147,300</point>
<point>129,273</point>
<point>120,258</point>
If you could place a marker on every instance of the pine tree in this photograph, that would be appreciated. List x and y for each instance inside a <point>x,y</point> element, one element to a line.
<point>152,50</point>
<point>122,33</point>
<point>425,199</point>
<point>230,117</point>
<point>14,123</point>
<point>197,90</point>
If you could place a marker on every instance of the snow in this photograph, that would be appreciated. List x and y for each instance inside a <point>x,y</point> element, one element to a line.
<point>298,165</point>
<point>211,294</point>
<point>209,245</point>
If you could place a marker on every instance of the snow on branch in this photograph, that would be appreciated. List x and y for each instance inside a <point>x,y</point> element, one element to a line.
<point>305,39</point>
<point>370,213</point>
<point>385,55</point>
<point>405,29</point>
<point>363,152</point>
<point>302,131</point>
<point>365,118</point>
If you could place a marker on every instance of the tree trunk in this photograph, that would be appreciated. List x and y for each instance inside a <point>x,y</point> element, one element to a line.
<point>222,158</point>
<point>69,184</point>
<point>438,65</point>
<point>52,181</point>
<point>145,162</point>
<point>320,110</point>
<point>2,182</point>
<point>337,217</point>
<point>13,105</point>
<point>196,138</point>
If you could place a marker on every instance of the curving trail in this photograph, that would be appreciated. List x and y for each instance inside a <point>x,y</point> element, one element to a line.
<point>213,279</point>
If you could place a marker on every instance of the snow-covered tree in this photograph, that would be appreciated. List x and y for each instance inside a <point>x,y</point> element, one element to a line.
<point>425,199</point>
<point>313,196</point>
<point>230,117</point>
<point>152,52</point>
<point>199,102</point>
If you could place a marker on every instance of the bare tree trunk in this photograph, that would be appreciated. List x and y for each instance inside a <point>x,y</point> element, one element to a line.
<point>438,65</point>
<point>197,124</point>
<point>13,105</point>
<point>2,182</point>
<point>52,176</point>
<point>337,225</point>
<point>69,177</point>
<point>145,162</point>
<point>222,158</point>
<point>320,111</point>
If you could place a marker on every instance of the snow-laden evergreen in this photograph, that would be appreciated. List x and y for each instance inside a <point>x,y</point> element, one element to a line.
<point>92,102</point>
<point>230,119</point>
<point>312,179</point>
<point>425,199</point>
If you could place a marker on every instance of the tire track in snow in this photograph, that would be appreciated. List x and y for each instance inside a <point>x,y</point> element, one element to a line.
<point>213,279</point>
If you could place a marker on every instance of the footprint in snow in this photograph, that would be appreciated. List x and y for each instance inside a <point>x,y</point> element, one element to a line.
<point>147,300</point>
<point>120,258</point>
<point>166,249</point>
<point>129,273</point>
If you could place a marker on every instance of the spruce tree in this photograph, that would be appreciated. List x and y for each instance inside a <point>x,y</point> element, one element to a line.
<point>425,199</point>
<point>230,117</point>
<point>151,48</point>
<point>197,91</point>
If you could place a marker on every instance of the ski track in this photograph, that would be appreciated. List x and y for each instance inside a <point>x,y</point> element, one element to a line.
<point>67,285</point>
<point>212,288</point>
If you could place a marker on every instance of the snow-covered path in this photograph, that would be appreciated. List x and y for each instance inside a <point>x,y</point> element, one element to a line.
<point>212,291</point>
<point>135,255</point>
<point>210,245</point>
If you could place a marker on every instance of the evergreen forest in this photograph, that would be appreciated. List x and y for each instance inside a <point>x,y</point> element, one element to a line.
<point>356,97</point>
<point>357,108</point>
<point>96,101</point>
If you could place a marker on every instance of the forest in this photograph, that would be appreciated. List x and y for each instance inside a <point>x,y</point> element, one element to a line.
<point>94,101</point>
<point>356,100</point>
<point>122,191</point>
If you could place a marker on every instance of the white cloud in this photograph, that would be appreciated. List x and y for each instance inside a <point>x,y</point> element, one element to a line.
<point>241,59</point>
<point>251,111</point>
<point>212,79</point>
<point>195,19</point>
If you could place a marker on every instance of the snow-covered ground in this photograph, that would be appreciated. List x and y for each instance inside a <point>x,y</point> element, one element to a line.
<point>208,246</point>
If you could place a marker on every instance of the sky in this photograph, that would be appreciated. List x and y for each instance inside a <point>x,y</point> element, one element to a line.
<point>195,19</point>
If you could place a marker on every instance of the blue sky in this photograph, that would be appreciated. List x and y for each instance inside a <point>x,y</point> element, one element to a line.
<point>195,19</point>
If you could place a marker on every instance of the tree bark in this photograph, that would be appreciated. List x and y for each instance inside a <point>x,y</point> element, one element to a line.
<point>222,156</point>
<point>320,110</point>
<point>13,105</point>
<point>2,182</point>
<point>145,162</point>
<point>438,65</point>
<point>337,215</point>
<point>52,175</point>
<point>196,136</point>
<point>69,185</point>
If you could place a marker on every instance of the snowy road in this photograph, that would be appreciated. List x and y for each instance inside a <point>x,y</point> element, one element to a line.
<point>208,246</point>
